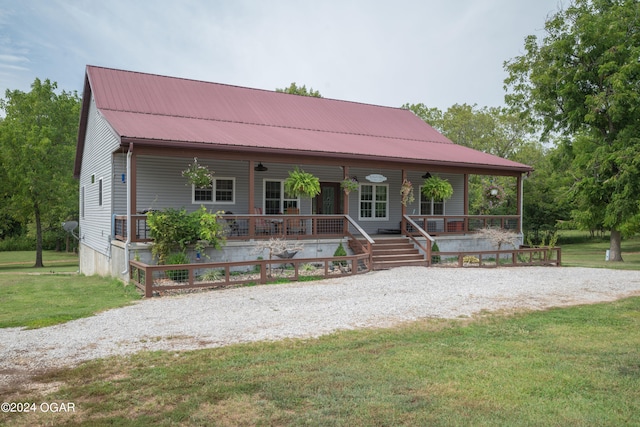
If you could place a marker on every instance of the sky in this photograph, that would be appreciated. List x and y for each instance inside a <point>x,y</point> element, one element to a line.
<point>435,52</point>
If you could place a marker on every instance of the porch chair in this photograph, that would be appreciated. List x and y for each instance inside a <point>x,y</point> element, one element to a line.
<point>295,225</point>
<point>262,225</point>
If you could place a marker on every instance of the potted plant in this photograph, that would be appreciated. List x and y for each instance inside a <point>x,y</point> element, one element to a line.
<point>406,191</point>
<point>437,188</point>
<point>301,184</point>
<point>349,184</point>
<point>198,175</point>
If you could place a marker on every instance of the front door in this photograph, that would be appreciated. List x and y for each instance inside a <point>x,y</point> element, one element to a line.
<point>329,201</point>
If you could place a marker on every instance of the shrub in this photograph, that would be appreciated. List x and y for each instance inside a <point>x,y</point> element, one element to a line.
<point>18,243</point>
<point>340,252</point>
<point>178,258</point>
<point>435,259</point>
<point>212,275</point>
<point>470,259</point>
<point>173,229</point>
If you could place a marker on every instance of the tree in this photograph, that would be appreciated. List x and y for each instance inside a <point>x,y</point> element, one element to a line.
<point>582,80</point>
<point>300,90</point>
<point>492,130</point>
<point>546,188</point>
<point>37,141</point>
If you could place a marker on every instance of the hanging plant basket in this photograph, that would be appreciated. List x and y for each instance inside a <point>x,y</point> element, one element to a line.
<point>349,185</point>
<point>437,188</point>
<point>406,191</point>
<point>302,184</point>
<point>198,175</point>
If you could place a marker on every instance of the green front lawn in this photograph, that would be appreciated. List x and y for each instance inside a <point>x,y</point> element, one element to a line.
<point>580,250</point>
<point>23,261</point>
<point>576,366</point>
<point>37,297</point>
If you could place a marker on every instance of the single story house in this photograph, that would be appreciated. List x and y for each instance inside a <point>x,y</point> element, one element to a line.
<point>138,132</point>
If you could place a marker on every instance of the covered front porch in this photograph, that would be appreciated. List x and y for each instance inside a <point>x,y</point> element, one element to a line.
<point>254,205</point>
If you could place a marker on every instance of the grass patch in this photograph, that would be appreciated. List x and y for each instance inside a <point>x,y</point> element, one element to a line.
<point>38,300</point>
<point>581,250</point>
<point>38,297</point>
<point>570,366</point>
<point>23,261</point>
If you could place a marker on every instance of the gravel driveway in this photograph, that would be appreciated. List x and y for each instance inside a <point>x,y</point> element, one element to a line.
<point>310,309</point>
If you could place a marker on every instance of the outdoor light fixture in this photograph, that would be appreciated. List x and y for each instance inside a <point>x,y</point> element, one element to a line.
<point>426,175</point>
<point>260,168</point>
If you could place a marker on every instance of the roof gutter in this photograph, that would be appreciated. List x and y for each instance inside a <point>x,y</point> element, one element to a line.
<point>128,241</point>
<point>278,153</point>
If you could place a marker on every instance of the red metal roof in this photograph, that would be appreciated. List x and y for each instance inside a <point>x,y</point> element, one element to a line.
<point>166,109</point>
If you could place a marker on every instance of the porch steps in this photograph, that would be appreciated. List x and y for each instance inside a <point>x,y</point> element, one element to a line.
<point>396,252</point>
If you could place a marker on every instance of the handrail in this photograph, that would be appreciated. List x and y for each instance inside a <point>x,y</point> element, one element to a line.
<point>370,242</point>
<point>360,230</point>
<point>420,230</point>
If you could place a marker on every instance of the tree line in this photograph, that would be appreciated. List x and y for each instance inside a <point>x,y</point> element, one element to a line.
<point>37,149</point>
<point>572,111</point>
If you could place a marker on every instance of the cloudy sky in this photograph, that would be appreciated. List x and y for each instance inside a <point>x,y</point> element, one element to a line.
<point>372,51</point>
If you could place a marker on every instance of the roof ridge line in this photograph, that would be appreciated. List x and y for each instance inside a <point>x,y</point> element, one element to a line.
<point>275,126</point>
<point>199,80</point>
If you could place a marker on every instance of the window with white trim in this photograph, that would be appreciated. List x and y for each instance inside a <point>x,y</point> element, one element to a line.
<point>82,202</point>
<point>276,200</point>
<point>100,192</point>
<point>221,191</point>
<point>430,206</point>
<point>374,201</point>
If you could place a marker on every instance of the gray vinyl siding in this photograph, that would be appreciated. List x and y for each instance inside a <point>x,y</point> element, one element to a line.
<point>160,184</point>
<point>453,206</point>
<point>120,187</point>
<point>280,172</point>
<point>99,144</point>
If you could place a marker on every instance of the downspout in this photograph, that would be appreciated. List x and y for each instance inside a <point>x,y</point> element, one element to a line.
<point>521,189</point>
<point>128,242</point>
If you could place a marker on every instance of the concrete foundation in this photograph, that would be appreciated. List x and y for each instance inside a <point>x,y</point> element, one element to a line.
<point>114,264</point>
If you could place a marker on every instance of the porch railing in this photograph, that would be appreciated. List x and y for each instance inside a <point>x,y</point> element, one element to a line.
<point>359,241</point>
<point>244,227</point>
<point>523,256</point>
<point>414,231</point>
<point>139,229</point>
<point>460,224</point>
<point>152,279</point>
